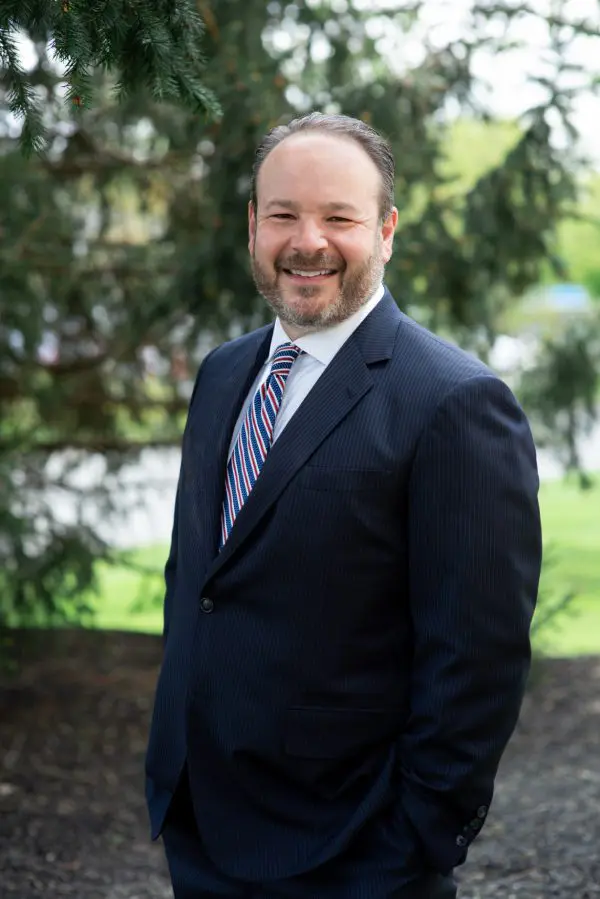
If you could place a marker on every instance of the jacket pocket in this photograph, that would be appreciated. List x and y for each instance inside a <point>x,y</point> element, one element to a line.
<point>312,477</point>
<point>337,733</point>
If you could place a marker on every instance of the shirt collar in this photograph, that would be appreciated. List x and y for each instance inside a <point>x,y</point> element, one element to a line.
<point>324,344</point>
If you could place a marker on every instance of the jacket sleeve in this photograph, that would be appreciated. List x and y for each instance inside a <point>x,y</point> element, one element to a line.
<point>170,570</point>
<point>475,558</point>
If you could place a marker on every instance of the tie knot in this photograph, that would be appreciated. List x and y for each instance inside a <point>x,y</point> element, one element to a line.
<point>284,357</point>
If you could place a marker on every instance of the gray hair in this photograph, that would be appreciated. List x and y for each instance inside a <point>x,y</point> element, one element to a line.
<point>373,143</point>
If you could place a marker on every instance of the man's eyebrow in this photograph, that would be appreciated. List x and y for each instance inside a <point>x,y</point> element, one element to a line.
<point>286,204</point>
<point>340,207</point>
<point>329,207</point>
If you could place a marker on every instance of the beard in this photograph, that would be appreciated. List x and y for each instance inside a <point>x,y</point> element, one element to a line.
<point>356,288</point>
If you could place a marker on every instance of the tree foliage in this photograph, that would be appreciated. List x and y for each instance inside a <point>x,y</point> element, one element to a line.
<point>152,44</point>
<point>126,240</point>
<point>562,388</point>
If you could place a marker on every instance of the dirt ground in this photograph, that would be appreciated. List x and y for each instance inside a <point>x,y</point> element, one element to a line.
<point>72,739</point>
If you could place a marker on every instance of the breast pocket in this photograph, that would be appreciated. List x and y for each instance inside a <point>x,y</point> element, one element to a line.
<point>313,477</point>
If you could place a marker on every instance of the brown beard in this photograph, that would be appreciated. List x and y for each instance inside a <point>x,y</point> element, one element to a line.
<point>355,290</point>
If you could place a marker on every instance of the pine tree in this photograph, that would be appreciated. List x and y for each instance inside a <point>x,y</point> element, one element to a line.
<point>128,238</point>
<point>153,45</point>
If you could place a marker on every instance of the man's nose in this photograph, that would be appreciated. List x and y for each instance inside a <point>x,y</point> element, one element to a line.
<point>308,238</point>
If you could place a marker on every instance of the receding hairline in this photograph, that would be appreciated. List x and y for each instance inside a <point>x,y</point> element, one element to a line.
<point>319,133</point>
<point>308,134</point>
<point>374,144</point>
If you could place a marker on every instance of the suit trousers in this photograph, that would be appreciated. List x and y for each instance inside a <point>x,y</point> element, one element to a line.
<point>368,869</point>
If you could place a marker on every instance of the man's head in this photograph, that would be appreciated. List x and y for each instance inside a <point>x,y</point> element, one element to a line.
<point>322,202</point>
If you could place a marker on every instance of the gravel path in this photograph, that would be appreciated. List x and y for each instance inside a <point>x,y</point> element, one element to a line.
<point>73,823</point>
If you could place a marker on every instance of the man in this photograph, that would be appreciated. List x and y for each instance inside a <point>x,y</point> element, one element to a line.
<point>353,568</point>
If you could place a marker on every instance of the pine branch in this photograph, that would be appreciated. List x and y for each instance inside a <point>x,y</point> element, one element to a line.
<point>90,156</point>
<point>21,97</point>
<point>151,45</point>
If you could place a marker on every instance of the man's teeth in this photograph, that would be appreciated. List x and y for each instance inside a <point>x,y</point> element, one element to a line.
<point>311,274</point>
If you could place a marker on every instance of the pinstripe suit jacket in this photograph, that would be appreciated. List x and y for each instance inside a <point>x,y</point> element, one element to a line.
<point>363,638</point>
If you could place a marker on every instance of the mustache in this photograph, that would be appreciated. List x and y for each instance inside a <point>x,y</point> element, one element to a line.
<point>320,261</point>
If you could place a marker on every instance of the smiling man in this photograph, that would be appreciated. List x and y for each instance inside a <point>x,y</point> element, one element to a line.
<point>353,568</point>
<point>316,257</point>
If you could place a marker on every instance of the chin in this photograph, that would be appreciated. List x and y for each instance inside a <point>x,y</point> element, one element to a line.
<point>313,297</point>
<point>305,307</point>
<point>296,308</point>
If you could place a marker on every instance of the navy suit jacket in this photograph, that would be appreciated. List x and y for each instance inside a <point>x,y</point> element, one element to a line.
<point>362,640</point>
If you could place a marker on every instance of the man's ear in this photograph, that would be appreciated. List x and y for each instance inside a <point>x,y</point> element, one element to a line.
<point>388,229</point>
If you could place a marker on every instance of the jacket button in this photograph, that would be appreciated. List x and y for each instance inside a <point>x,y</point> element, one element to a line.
<point>482,811</point>
<point>476,824</point>
<point>206,604</point>
<point>461,841</point>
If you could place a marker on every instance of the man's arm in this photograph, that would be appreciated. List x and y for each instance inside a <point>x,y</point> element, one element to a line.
<point>170,571</point>
<point>475,557</point>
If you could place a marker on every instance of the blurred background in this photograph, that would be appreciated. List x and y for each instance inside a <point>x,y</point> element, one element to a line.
<point>123,261</point>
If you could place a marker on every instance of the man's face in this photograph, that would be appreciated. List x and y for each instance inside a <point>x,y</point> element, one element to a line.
<point>317,244</point>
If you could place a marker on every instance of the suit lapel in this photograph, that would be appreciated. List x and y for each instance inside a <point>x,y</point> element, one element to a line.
<point>344,383</point>
<point>210,448</point>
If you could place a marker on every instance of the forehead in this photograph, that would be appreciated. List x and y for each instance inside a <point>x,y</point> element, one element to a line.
<point>313,168</point>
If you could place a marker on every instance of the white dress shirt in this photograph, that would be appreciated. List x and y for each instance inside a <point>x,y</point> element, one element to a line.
<point>319,347</point>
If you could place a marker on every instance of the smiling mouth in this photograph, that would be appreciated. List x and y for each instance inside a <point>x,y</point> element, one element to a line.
<point>309,273</point>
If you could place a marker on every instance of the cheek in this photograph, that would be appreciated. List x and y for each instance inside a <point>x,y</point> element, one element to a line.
<point>355,252</point>
<point>267,247</point>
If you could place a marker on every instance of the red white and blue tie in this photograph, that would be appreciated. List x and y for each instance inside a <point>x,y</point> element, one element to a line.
<point>255,437</point>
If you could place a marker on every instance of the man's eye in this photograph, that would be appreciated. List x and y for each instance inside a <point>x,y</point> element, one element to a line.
<point>337,218</point>
<point>282,215</point>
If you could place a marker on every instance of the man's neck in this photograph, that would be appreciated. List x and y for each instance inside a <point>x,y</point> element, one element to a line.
<point>295,331</point>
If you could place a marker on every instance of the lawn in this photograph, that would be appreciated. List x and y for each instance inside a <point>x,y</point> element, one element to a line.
<point>571,522</point>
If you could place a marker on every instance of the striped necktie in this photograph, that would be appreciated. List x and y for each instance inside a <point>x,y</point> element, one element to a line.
<point>255,437</point>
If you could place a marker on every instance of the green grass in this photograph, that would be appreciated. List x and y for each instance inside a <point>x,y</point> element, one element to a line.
<point>128,600</point>
<point>571,522</point>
